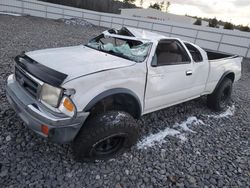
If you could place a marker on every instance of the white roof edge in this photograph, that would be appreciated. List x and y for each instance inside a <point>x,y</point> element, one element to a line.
<point>106,33</point>
<point>141,35</point>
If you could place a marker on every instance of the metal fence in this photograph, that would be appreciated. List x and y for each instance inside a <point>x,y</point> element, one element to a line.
<point>234,42</point>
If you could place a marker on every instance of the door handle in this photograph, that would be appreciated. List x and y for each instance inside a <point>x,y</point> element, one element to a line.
<point>189,72</point>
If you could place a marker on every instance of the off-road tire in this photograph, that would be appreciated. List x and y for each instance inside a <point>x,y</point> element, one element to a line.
<point>102,128</point>
<point>221,96</point>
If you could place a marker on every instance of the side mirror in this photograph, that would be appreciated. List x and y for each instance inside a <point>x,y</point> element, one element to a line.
<point>154,61</point>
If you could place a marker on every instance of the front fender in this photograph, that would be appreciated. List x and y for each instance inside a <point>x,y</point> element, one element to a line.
<point>91,88</point>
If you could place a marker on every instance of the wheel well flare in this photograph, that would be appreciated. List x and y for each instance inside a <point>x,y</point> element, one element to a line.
<point>115,100</point>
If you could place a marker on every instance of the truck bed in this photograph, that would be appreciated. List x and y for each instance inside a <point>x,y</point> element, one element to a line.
<point>213,55</point>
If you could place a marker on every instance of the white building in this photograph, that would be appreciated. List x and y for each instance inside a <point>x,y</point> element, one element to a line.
<point>157,15</point>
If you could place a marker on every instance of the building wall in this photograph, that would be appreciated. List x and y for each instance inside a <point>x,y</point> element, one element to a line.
<point>156,15</point>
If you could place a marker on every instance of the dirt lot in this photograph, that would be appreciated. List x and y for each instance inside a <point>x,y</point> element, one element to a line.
<point>213,152</point>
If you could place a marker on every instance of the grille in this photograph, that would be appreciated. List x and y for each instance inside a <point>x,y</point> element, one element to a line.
<point>26,82</point>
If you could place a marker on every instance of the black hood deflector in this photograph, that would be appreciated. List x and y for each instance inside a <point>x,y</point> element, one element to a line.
<point>41,72</point>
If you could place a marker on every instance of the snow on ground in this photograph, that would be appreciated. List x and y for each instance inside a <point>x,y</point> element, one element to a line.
<point>190,121</point>
<point>158,138</point>
<point>179,130</point>
<point>118,117</point>
<point>229,112</point>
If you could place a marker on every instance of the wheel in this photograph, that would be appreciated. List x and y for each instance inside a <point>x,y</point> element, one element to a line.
<point>221,97</point>
<point>105,136</point>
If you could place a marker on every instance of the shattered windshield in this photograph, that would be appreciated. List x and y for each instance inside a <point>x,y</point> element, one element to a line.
<point>128,49</point>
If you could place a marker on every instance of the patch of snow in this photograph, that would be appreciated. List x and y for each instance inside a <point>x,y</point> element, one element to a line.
<point>157,138</point>
<point>182,137</point>
<point>114,119</point>
<point>118,117</point>
<point>190,121</point>
<point>229,112</point>
<point>10,14</point>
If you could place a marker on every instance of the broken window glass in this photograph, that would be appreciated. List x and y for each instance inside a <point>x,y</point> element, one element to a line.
<point>124,48</point>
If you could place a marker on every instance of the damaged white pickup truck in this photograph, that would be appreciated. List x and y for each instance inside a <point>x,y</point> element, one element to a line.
<point>91,94</point>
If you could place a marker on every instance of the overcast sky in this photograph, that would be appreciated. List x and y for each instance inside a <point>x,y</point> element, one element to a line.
<point>236,11</point>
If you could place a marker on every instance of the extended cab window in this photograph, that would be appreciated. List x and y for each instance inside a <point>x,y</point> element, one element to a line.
<point>196,55</point>
<point>171,52</point>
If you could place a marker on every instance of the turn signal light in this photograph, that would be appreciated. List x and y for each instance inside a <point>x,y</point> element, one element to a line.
<point>68,105</point>
<point>45,129</point>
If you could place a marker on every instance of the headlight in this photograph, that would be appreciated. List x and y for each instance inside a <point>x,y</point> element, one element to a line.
<point>51,95</point>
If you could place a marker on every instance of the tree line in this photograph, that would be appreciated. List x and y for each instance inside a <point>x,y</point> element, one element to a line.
<point>217,23</point>
<point>109,6</point>
<point>114,6</point>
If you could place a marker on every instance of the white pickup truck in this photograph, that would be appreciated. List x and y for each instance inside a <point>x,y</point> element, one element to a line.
<point>91,94</point>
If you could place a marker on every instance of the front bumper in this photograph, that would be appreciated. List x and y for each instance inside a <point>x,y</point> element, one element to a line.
<point>62,129</point>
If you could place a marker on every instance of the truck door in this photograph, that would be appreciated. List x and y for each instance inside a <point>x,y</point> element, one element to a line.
<point>170,76</point>
<point>200,69</point>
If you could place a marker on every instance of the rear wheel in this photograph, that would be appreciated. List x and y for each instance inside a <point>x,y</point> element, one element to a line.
<point>105,136</point>
<point>221,97</point>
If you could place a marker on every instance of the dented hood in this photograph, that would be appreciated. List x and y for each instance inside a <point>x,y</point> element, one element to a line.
<point>77,61</point>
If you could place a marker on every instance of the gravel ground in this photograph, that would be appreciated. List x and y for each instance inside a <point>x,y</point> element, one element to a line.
<point>215,153</point>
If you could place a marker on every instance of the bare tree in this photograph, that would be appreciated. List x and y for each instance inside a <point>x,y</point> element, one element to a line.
<point>167,6</point>
<point>156,6</point>
<point>160,5</point>
<point>141,2</point>
<point>129,1</point>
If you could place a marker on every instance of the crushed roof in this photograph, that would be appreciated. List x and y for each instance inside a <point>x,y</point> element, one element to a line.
<point>139,34</point>
<point>145,34</point>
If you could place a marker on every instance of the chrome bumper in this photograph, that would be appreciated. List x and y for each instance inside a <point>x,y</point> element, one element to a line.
<point>62,128</point>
